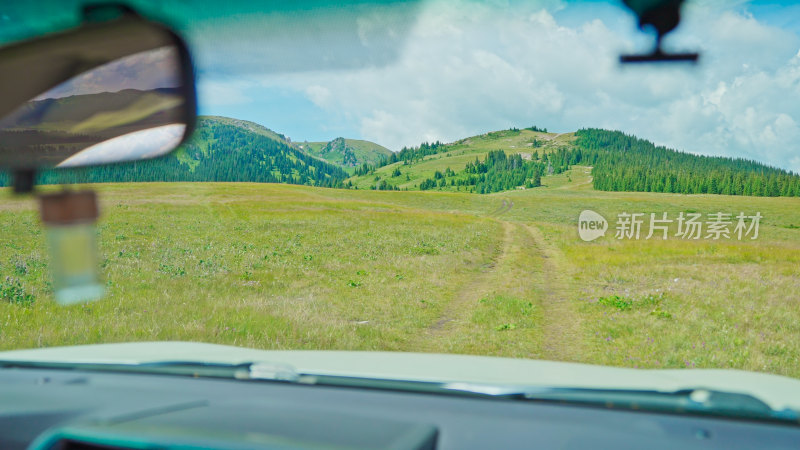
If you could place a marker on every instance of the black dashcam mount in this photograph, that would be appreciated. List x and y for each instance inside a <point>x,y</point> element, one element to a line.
<point>664,16</point>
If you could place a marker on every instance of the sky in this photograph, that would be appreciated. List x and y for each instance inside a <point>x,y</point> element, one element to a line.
<point>461,68</point>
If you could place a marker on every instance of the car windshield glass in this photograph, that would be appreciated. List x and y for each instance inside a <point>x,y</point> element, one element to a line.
<point>456,177</point>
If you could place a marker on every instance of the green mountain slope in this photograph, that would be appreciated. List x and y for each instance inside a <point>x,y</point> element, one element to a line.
<point>347,152</point>
<point>411,167</point>
<point>627,163</point>
<point>245,125</point>
<point>221,149</point>
<point>526,158</point>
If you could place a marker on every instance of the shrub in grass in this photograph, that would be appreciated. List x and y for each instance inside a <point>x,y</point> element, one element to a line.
<point>12,291</point>
<point>616,301</point>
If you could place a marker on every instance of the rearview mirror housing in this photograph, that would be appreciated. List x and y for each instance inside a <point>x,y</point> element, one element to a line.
<point>105,92</point>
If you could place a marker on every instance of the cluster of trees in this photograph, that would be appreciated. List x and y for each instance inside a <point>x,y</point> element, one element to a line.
<point>499,172</point>
<point>219,152</point>
<point>383,185</point>
<point>364,169</point>
<point>535,128</point>
<point>626,163</point>
<point>410,155</point>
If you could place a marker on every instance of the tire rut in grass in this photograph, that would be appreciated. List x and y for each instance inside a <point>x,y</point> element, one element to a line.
<point>497,312</point>
<point>459,309</point>
<point>503,208</point>
<point>561,327</point>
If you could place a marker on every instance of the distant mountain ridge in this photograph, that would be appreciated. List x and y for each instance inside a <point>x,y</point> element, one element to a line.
<point>247,125</point>
<point>344,152</point>
<point>348,152</point>
<point>227,149</point>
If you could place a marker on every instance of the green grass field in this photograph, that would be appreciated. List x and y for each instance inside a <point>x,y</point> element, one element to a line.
<point>295,267</point>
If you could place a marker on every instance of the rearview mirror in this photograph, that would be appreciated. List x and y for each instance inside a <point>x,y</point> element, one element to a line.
<point>108,92</point>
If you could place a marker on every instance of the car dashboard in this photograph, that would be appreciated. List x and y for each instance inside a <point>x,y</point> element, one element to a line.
<point>70,410</point>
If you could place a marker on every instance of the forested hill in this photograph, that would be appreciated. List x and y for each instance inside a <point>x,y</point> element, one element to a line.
<point>626,163</point>
<point>211,121</point>
<point>524,158</point>
<point>221,149</point>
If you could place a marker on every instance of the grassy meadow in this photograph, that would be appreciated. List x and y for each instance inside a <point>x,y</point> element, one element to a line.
<point>295,267</point>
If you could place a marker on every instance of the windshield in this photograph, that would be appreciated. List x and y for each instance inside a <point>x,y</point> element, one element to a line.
<point>480,178</point>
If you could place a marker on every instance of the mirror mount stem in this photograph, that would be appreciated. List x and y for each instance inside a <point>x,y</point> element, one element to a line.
<point>23,180</point>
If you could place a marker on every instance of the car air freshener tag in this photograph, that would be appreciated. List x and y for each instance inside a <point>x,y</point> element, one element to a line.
<point>70,219</point>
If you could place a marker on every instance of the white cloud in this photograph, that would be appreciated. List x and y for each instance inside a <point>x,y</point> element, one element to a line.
<point>319,95</point>
<point>468,68</point>
<point>222,92</point>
